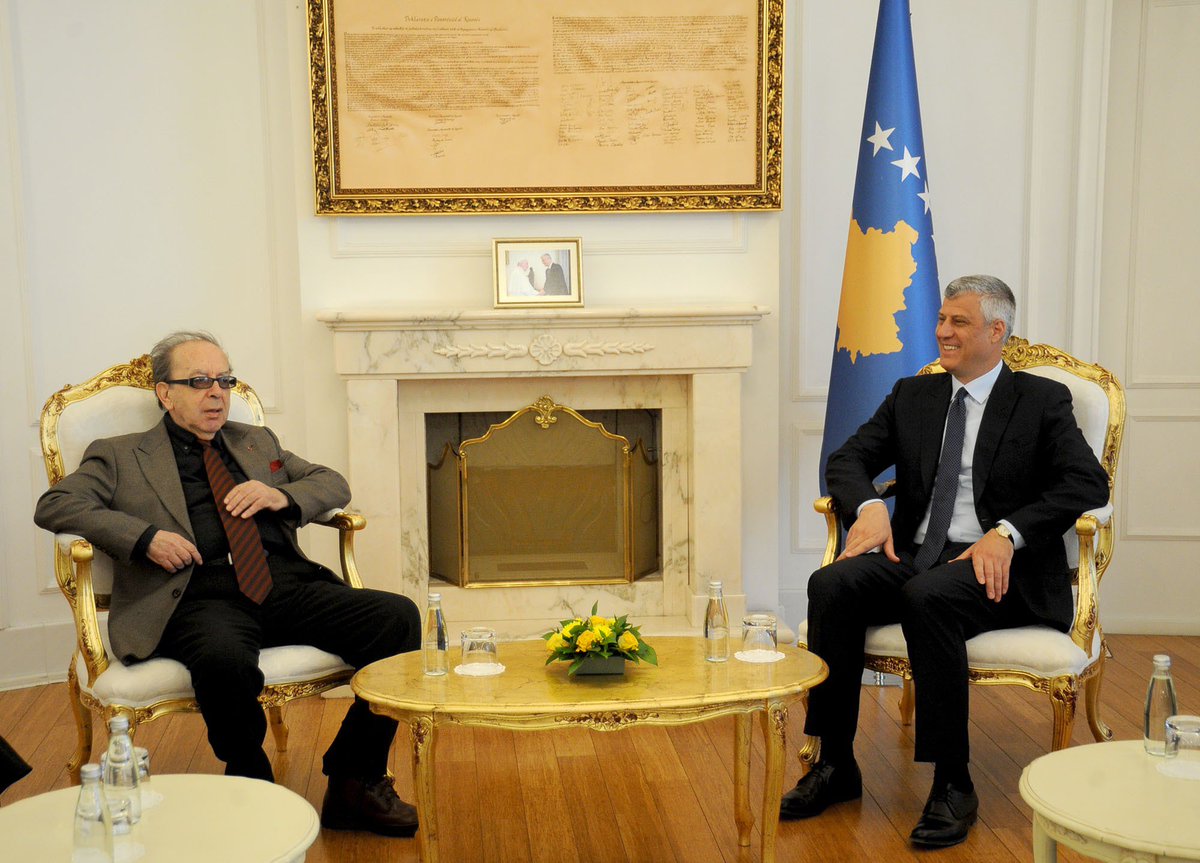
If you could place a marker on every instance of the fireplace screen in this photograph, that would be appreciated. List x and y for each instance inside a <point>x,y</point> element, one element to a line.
<point>544,497</point>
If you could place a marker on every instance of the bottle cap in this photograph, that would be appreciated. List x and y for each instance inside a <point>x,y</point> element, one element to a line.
<point>435,597</point>
<point>1162,660</point>
<point>89,771</point>
<point>118,723</point>
<point>714,584</point>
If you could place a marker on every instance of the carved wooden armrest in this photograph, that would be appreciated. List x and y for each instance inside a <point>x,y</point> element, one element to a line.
<point>1087,617</point>
<point>73,570</point>
<point>346,523</point>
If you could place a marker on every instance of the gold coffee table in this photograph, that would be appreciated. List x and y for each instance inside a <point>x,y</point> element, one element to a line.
<point>531,696</point>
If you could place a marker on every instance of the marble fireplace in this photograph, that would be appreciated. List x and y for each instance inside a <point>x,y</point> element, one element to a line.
<point>685,362</point>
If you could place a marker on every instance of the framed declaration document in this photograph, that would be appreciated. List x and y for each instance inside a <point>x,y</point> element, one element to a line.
<point>493,106</point>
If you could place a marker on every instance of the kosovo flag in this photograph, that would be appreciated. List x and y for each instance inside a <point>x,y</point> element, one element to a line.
<point>890,296</point>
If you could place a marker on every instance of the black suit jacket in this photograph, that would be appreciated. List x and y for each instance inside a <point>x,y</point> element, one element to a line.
<point>1031,466</point>
<point>556,280</point>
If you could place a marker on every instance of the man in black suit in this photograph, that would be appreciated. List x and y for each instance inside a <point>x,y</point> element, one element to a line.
<point>556,279</point>
<point>975,544</point>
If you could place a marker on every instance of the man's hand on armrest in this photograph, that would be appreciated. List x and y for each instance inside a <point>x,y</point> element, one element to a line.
<point>172,552</point>
<point>871,530</point>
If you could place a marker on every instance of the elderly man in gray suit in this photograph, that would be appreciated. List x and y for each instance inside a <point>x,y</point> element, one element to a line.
<point>200,516</point>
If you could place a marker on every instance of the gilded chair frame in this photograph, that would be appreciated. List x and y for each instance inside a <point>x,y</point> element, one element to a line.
<point>74,556</point>
<point>1095,542</point>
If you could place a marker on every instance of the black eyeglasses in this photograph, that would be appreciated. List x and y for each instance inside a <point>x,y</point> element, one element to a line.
<point>204,382</point>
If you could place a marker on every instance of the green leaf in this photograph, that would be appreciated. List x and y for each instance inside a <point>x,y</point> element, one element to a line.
<point>646,652</point>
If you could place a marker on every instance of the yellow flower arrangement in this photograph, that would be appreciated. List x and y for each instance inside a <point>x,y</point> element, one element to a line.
<point>595,635</point>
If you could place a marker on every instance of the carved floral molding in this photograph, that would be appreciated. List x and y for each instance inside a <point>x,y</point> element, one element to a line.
<point>545,349</point>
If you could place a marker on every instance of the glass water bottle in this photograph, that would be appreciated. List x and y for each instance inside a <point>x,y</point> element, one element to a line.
<point>1160,703</point>
<point>93,842</point>
<point>121,780</point>
<point>716,625</point>
<point>433,647</point>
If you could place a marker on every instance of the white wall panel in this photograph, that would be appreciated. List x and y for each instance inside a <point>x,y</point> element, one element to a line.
<point>1161,470</point>
<point>142,133</point>
<point>1166,256</point>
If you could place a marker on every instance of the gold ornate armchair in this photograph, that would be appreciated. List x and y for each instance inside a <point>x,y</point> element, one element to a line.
<point>1038,657</point>
<point>117,401</point>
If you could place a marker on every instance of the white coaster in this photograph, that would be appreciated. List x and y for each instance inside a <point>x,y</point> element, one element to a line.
<point>1177,769</point>
<point>479,669</point>
<point>759,655</point>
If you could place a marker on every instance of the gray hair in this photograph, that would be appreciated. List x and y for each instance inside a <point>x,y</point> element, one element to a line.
<point>996,299</point>
<point>160,354</point>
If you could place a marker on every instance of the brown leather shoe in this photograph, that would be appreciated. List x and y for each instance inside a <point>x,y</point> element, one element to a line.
<point>356,804</point>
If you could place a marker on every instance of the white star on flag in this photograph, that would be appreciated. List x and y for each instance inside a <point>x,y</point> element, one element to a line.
<point>924,196</point>
<point>908,165</point>
<point>880,138</point>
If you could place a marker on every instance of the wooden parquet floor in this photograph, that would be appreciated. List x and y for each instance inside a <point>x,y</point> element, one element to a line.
<point>646,795</point>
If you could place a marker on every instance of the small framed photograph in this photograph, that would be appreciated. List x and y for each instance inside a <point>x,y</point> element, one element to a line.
<point>537,272</point>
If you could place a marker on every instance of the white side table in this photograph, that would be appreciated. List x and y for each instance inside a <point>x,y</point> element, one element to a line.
<point>201,818</point>
<point>1108,801</point>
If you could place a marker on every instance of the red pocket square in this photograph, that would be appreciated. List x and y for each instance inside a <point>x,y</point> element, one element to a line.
<point>276,465</point>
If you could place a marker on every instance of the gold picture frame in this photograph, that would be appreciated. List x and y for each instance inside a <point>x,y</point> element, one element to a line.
<point>537,273</point>
<point>424,108</point>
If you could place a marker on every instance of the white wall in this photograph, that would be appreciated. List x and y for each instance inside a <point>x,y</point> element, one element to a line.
<point>155,172</point>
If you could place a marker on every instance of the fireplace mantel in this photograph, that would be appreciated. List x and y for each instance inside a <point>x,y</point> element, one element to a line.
<point>685,361</point>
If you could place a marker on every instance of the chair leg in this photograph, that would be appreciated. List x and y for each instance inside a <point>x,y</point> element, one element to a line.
<point>1091,701</point>
<point>1064,691</point>
<point>279,729</point>
<point>83,725</point>
<point>907,702</point>
<point>810,751</point>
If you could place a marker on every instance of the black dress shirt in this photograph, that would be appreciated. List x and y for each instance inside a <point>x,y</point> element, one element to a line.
<point>209,533</point>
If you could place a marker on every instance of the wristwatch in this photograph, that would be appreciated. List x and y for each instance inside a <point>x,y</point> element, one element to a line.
<point>1002,530</point>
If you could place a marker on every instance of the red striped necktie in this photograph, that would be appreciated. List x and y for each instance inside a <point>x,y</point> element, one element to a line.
<point>245,542</point>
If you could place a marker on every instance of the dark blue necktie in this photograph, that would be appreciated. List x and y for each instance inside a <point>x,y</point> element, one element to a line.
<point>945,486</point>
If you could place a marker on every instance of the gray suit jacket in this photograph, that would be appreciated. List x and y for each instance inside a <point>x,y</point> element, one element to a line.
<point>127,483</point>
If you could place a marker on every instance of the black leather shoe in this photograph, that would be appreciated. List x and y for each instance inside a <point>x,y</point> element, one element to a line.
<point>820,788</point>
<point>948,815</point>
<point>355,804</point>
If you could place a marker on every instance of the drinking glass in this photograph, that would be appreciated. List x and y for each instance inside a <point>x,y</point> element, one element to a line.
<point>1183,747</point>
<point>479,651</point>
<point>759,633</point>
<point>150,796</point>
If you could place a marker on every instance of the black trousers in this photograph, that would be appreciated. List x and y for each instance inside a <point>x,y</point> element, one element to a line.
<point>12,765</point>
<point>939,610</point>
<point>217,633</point>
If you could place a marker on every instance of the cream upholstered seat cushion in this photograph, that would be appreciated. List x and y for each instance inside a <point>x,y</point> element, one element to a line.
<point>1039,650</point>
<point>143,684</point>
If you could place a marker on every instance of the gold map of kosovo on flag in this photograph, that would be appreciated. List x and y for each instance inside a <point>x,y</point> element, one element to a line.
<point>879,268</point>
<point>890,296</point>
